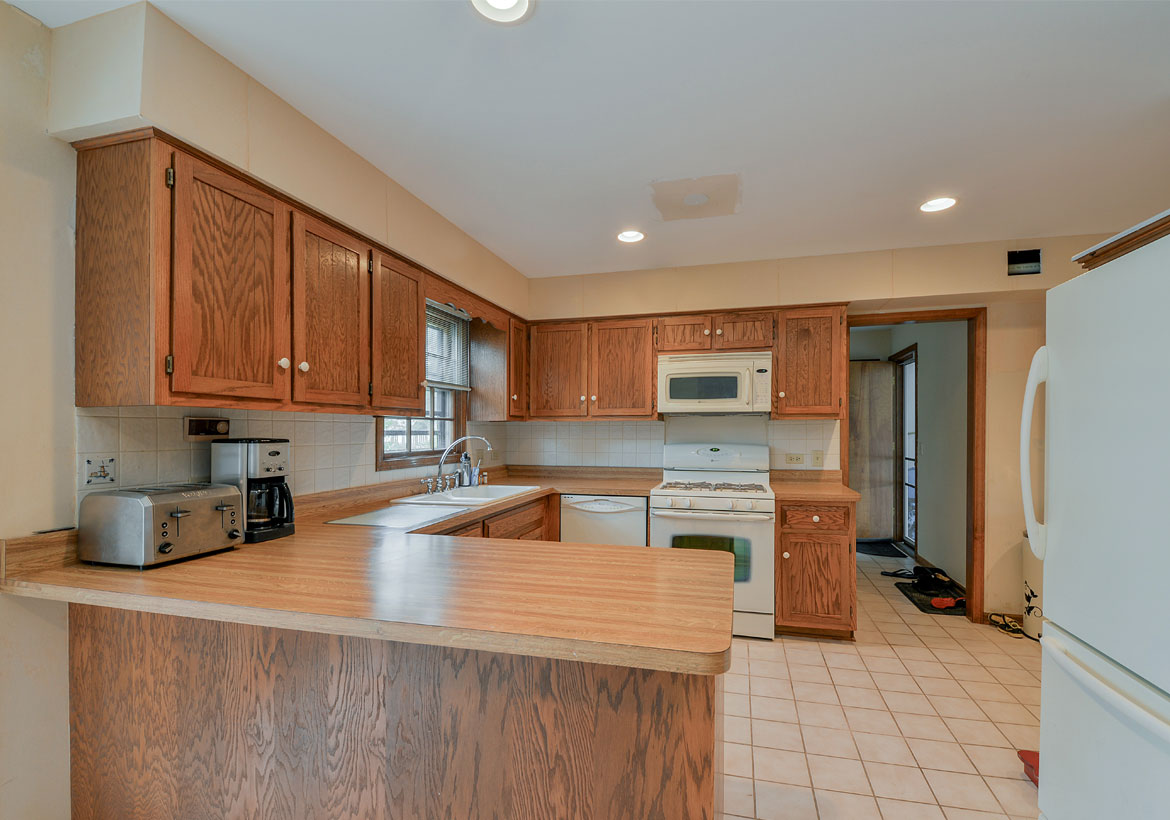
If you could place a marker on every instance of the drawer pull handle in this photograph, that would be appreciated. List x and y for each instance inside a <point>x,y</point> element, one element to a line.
<point>719,332</point>
<point>515,397</point>
<point>283,363</point>
<point>816,519</point>
<point>303,367</point>
<point>707,332</point>
<point>781,394</point>
<point>785,555</point>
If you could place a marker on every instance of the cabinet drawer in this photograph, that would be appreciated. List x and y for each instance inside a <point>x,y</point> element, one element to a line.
<point>471,530</point>
<point>829,518</point>
<point>514,523</point>
<point>534,534</point>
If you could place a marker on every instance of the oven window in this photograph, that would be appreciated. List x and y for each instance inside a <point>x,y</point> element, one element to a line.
<point>741,548</point>
<point>704,387</point>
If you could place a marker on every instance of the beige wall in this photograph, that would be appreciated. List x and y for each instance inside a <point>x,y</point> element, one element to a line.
<point>36,416</point>
<point>183,87</point>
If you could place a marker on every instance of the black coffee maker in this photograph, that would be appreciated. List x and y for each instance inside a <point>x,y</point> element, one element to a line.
<point>259,468</point>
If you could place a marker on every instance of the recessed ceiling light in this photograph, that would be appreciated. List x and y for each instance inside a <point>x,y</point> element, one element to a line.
<point>940,204</point>
<point>631,236</point>
<point>504,11</point>
<point>696,199</point>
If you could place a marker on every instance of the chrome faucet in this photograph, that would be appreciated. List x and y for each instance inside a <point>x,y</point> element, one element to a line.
<point>451,446</point>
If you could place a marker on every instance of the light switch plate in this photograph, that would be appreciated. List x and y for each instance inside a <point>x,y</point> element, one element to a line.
<point>794,458</point>
<point>98,470</point>
<point>818,458</point>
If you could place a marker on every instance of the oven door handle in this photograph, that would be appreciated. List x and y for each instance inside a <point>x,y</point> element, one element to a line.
<point>713,516</point>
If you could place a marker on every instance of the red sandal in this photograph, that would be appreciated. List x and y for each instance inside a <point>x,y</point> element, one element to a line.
<point>947,603</point>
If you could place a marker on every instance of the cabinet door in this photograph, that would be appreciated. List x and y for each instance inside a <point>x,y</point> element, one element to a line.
<point>558,369</point>
<point>229,286</point>
<point>331,314</point>
<point>815,581</point>
<point>810,362</point>
<point>399,322</point>
<point>517,369</point>
<point>621,368</point>
<point>679,334</point>
<point>744,331</point>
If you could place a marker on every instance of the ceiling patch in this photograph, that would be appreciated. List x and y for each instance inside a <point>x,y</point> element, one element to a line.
<point>697,198</point>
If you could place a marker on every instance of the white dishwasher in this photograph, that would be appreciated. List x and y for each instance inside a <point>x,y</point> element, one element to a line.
<point>603,519</point>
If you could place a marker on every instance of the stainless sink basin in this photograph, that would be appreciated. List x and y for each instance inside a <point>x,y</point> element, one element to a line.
<point>469,496</point>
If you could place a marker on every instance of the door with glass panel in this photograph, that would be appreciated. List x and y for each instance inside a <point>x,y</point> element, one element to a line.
<point>907,361</point>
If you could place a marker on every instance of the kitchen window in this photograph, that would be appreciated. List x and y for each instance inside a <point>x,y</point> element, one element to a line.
<point>417,441</point>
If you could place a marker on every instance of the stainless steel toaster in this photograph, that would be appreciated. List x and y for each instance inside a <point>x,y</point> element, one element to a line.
<point>144,526</point>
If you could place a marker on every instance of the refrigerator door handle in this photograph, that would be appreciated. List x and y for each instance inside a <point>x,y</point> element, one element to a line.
<point>1108,695</point>
<point>1037,375</point>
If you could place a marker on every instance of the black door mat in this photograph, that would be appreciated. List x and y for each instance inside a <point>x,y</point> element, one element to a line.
<point>923,601</point>
<point>882,549</point>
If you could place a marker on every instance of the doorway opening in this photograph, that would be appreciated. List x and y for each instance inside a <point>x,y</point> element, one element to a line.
<point>916,431</point>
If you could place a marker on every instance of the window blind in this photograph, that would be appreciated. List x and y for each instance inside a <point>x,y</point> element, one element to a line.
<point>448,348</point>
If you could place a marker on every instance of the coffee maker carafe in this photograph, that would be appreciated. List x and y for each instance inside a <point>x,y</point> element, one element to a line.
<point>259,467</point>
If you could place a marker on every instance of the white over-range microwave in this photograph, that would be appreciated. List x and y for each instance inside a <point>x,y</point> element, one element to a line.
<point>715,383</point>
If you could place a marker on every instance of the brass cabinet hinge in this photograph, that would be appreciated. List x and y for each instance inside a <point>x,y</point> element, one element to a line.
<point>370,265</point>
<point>170,177</point>
<point>170,365</point>
<point>371,389</point>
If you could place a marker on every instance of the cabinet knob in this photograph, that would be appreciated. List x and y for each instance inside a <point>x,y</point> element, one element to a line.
<point>593,398</point>
<point>582,398</point>
<point>283,363</point>
<point>719,332</point>
<point>781,394</point>
<point>515,397</point>
<point>816,519</point>
<point>785,555</point>
<point>707,332</point>
<point>303,367</point>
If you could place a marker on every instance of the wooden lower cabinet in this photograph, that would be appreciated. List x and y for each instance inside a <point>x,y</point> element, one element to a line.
<point>468,531</point>
<point>816,571</point>
<point>518,523</point>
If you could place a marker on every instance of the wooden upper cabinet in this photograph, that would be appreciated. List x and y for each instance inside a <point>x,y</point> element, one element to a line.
<point>558,368</point>
<point>682,334</point>
<point>517,369</point>
<point>810,362</point>
<point>399,326</point>
<point>230,280</point>
<point>744,331</point>
<point>621,367</point>
<point>331,314</point>
<point>815,581</point>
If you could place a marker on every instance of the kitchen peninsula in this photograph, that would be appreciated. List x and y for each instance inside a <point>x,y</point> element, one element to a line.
<point>364,672</point>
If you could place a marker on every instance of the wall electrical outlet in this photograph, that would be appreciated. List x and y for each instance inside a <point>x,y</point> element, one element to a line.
<point>818,458</point>
<point>98,470</point>
<point>794,458</point>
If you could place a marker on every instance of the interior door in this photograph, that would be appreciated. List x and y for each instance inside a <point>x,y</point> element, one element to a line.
<point>814,581</point>
<point>399,326</point>
<point>558,357</point>
<point>229,286</point>
<point>744,331</point>
<point>621,368</point>
<point>810,362</point>
<point>872,448</point>
<point>517,369</point>
<point>680,334</point>
<point>331,314</point>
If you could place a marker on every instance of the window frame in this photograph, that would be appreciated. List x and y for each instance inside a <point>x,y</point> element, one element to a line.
<point>425,458</point>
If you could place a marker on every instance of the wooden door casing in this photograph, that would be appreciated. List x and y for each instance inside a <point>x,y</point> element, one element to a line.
<point>744,330</point>
<point>331,314</point>
<point>621,368</point>
<point>810,362</point>
<point>517,369</point>
<point>558,370</point>
<point>683,334</point>
<point>815,583</point>
<point>398,326</point>
<point>230,286</point>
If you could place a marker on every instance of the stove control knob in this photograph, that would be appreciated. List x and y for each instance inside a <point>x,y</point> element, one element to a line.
<point>749,505</point>
<point>684,502</point>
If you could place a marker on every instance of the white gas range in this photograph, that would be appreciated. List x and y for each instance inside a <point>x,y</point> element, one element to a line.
<point>717,497</point>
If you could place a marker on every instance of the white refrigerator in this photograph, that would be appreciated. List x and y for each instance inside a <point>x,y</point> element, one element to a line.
<point>1105,687</point>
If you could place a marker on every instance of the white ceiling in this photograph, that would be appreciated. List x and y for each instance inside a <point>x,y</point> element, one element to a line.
<point>541,140</point>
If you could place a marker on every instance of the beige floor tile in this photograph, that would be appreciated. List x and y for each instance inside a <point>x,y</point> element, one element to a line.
<point>992,761</point>
<point>882,650</point>
<point>776,801</point>
<point>804,656</point>
<point>1027,694</point>
<point>971,674</point>
<point>862,698</point>
<point>962,707</point>
<point>906,640</point>
<point>837,660</point>
<point>735,704</point>
<point>898,782</point>
<point>938,754</point>
<point>1015,796</point>
<point>815,692</point>
<point>737,729</point>
<point>773,735</point>
<point>857,678</point>
<point>927,727</point>
<point>966,814</point>
<point>949,656</point>
<point>735,684</point>
<point>908,702</point>
<point>773,709</point>
<point>917,653</point>
<point>739,666</point>
<point>998,660</point>
<point>1001,712</point>
<point>883,749</point>
<point>842,806</point>
<point>768,669</point>
<point>963,791</point>
<point>1019,737</point>
<point>871,720</point>
<point>771,687</point>
<point>738,796</point>
<point>926,669</point>
<point>809,673</point>
<point>829,742</point>
<point>838,774</point>
<point>766,650</point>
<point>828,715</point>
<point>780,766</point>
<point>941,686</point>
<point>1015,677</point>
<point>976,732</point>
<point>901,810</point>
<point>889,666</point>
<point>737,759</point>
<point>988,691</point>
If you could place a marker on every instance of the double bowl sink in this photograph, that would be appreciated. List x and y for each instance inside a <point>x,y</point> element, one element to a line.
<point>469,496</point>
<point>417,511</point>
